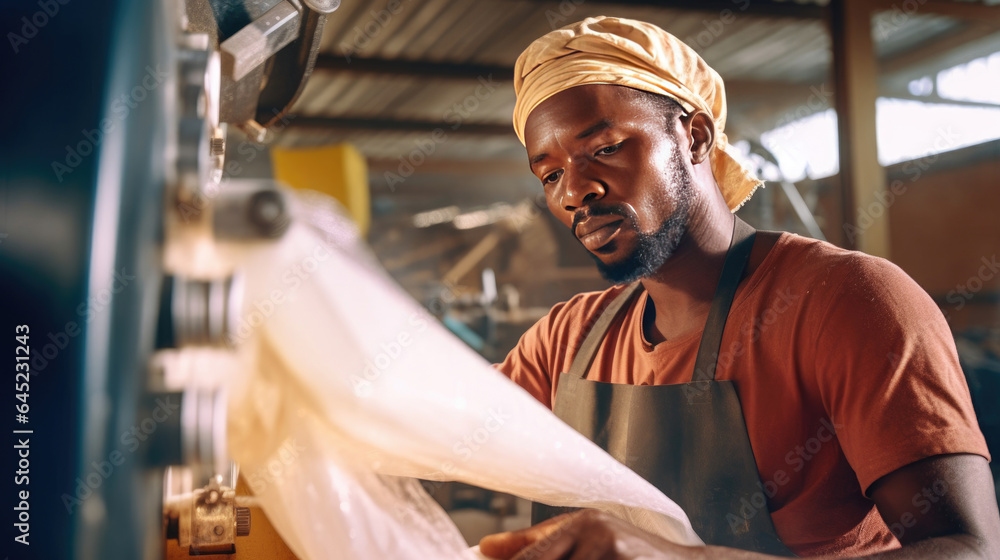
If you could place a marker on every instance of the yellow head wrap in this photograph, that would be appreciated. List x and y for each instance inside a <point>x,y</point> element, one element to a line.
<point>625,52</point>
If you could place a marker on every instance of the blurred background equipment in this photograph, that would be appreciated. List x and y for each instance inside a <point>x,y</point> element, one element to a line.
<point>339,171</point>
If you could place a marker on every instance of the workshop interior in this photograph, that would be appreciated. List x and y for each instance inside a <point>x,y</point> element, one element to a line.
<point>166,157</point>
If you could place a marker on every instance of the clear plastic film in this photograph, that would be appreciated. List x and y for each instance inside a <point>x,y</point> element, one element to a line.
<point>351,387</point>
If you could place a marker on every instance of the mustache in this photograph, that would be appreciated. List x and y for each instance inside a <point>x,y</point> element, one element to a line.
<point>623,210</point>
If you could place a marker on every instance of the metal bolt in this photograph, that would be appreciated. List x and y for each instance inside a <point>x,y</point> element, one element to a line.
<point>218,146</point>
<point>254,131</point>
<point>267,212</point>
<point>218,530</point>
<point>242,521</point>
<point>323,6</point>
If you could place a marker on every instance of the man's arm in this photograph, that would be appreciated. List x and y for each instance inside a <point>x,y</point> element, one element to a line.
<point>940,508</point>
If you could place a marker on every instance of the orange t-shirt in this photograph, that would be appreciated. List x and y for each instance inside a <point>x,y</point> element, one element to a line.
<point>819,339</point>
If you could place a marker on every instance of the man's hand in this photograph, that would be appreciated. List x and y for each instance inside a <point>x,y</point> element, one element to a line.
<point>941,507</point>
<point>584,535</point>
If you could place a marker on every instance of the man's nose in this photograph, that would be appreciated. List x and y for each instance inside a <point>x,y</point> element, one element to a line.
<point>580,186</point>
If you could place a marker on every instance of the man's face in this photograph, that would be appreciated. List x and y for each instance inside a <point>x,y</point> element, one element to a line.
<point>614,171</point>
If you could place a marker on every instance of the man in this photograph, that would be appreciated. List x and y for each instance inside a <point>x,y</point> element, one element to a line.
<point>829,418</point>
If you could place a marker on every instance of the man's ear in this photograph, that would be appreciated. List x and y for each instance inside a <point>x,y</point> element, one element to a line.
<point>701,133</point>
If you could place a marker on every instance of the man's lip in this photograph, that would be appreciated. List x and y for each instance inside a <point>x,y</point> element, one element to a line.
<point>594,223</point>
<point>598,237</point>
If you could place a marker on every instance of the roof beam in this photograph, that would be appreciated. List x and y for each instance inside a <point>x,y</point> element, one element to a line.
<point>794,102</point>
<point>973,11</point>
<point>770,8</point>
<point>976,40</point>
<point>420,68</point>
<point>937,99</point>
<point>973,42</point>
<point>468,167</point>
<point>304,122</point>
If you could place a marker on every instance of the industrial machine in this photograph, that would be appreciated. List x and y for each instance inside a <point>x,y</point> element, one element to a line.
<point>126,425</point>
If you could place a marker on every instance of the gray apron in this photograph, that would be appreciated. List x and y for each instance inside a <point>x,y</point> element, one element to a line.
<point>688,439</point>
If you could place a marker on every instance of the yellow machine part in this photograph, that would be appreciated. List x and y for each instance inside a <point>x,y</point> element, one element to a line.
<point>339,171</point>
<point>263,542</point>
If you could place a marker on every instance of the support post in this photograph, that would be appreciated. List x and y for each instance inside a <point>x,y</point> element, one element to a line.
<point>866,223</point>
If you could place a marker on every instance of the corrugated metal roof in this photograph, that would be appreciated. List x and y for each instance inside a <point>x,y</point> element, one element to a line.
<point>746,49</point>
<point>739,46</point>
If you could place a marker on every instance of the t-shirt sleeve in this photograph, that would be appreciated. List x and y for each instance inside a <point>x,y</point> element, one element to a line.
<point>888,372</point>
<point>548,347</point>
<point>528,363</point>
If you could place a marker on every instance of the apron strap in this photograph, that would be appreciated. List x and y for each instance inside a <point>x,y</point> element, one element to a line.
<point>732,272</point>
<point>588,350</point>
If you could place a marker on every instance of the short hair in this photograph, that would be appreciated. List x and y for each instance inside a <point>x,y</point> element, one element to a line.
<point>668,106</point>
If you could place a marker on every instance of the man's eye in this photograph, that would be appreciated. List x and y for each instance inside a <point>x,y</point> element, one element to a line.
<point>551,177</point>
<point>607,151</point>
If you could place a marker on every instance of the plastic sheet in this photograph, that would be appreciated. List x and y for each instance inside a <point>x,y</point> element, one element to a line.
<point>351,388</point>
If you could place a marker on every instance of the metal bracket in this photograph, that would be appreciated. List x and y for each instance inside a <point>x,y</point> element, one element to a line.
<point>251,209</point>
<point>210,522</point>
<point>260,40</point>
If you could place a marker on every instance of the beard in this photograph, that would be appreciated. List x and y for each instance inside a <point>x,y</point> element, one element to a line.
<point>652,249</point>
<point>651,252</point>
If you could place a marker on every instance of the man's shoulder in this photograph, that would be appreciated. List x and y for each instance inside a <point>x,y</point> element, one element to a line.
<point>851,285</point>
<point>820,263</point>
